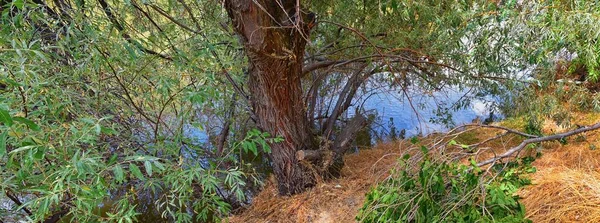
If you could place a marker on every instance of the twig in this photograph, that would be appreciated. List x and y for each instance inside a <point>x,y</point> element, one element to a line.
<point>16,200</point>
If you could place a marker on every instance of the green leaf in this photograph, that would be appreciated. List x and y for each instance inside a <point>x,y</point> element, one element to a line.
<point>148,167</point>
<point>3,139</point>
<point>98,128</point>
<point>159,165</point>
<point>424,149</point>
<point>414,140</point>
<point>40,55</point>
<point>136,171</point>
<point>18,4</point>
<point>108,131</point>
<point>249,146</point>
<point>452,143</point>
<point>27,122</point>
<point>140,158</point>
<point>118,170</point>
<point>5,117</point>
<point>20,149</point>
<point>112,159</point>
<point>39,153</point>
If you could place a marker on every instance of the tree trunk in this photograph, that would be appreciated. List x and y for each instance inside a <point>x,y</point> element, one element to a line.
<point>274,35</point>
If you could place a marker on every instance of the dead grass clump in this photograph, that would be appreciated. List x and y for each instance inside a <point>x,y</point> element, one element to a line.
<point>566,187</point>
<point>563,195</point>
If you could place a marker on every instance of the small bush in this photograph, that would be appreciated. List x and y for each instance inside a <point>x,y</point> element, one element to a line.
<point>447,192</point>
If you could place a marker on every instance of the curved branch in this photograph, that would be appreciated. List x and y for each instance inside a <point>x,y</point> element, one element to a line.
<point>344,99</point>
<point>496,127</point>
<point>521,146</point>
<point>126,36</point>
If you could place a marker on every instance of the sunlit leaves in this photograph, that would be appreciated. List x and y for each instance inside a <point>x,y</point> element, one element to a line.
<point>437,191</point>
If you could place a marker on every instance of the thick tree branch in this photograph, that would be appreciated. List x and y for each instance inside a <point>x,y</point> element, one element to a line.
<point>537,139</point>
<point>314,66</point>
<point>344,99</point>
<point>496,127</point>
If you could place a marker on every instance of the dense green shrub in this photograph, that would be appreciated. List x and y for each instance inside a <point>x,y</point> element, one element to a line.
<point>447,192</point>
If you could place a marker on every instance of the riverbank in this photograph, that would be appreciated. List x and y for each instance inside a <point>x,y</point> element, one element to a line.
<point>332,201</point>
<point>564,188</point>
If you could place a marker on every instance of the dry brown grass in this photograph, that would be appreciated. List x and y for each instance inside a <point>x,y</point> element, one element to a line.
<point>566,187</point>
<point>337,200</point>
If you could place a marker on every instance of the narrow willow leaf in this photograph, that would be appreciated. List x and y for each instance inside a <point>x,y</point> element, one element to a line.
<point>159,165</point>
<point>136,171</point>
<point>19,4</point>
<point>113,159</point>
<point>27,122</point>
<point>39,153</point>
<point>118,170</point>
<point>98,128</point>
<point>3,139</point>
<point>148,167</point>
<point>23,148</point>
<point>5,117</point>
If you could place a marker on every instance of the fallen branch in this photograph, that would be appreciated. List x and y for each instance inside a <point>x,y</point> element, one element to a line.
<point>526,142</point>
<point>495,127</point>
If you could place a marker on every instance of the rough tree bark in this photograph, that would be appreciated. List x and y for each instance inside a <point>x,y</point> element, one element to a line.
<point>274,34</point>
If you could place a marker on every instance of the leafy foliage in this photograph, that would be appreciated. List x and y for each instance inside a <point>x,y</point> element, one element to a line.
<point>101,101</point>
<point>93,127</point>
<point>447,192</point>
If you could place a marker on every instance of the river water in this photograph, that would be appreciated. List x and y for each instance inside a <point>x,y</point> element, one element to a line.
<point>419,113</point>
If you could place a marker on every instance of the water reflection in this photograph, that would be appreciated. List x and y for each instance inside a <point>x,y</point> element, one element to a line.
<point>422,113</point>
